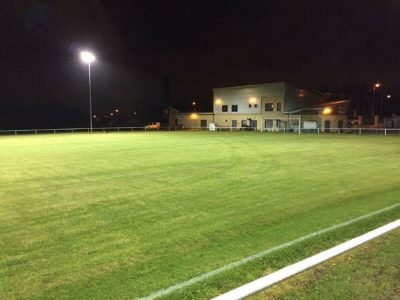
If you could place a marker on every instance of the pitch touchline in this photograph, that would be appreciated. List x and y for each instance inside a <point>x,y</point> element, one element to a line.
<point>247,259</point>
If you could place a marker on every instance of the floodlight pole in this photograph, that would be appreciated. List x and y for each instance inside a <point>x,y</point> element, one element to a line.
<point>90,100</point>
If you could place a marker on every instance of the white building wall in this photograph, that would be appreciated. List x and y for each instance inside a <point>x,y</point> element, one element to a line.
<point>250,99</point>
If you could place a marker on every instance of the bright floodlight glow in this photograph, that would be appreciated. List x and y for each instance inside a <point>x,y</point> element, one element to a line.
<point>252,100</point>
<point>218,101</point>
<point>389,96</point>
<point>327,111</point>
<point>87,57</point>
<point>377,85</point>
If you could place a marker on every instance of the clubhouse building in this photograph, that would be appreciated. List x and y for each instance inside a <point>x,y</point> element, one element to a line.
<point>270,107</point>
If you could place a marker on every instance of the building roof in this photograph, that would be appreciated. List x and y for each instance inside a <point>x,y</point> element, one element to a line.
<point>252,85</point>
<point>318,106</point>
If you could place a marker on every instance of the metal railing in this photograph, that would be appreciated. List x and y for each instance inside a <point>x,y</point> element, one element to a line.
<point>296,130</point>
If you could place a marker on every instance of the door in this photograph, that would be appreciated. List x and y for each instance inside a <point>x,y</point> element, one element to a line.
<point>254,124</point>
<point>327,125</point>
<point>203,123</point>
<point>234,123</point>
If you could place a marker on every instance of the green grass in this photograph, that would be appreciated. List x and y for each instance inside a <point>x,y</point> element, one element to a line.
<point>371,271</point>
<point>124,215</point>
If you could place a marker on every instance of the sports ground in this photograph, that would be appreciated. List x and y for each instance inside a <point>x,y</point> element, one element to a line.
<point>125,215</point>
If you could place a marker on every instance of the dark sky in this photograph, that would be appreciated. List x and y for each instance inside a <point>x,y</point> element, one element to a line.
<point>197,44</point>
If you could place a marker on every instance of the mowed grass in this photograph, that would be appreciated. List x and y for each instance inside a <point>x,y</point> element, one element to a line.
<point>124,215</point>
<point>371,271</point>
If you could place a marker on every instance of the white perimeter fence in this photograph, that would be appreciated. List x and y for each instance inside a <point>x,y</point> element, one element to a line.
<point>358,131</point>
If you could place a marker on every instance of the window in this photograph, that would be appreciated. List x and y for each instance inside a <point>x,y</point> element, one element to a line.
<point>256,105</point>
<point>224,108</point>
<point>203,123</point>
<point>234,123</point>
<point>278,106</point>
<point>244,123</point>
<point>234,107</point>
<point>249,105</point>
<point>269,106</point>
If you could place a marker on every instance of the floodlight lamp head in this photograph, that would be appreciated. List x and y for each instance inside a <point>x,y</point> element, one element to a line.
<point>87,57</point>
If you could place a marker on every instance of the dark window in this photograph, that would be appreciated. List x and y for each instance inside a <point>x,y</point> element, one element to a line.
<point>255,105</point>
<point>224,108</point>
<point>278,106</point>
<point>249,105</point>
<point>340,124</point>
<point>234,107</point>
<point>269,123</point>
<point>203,123</point>
<point>269,106</point>
<point>244,123</point>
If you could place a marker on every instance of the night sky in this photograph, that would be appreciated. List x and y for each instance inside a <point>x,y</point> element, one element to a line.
<point>198,45</point>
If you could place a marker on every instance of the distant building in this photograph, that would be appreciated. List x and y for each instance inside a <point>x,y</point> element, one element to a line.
<point>392,122</point>
<point>269,106</point>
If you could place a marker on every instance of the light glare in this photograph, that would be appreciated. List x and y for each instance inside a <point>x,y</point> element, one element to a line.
<point>327,111</point>
<point>87,57</point>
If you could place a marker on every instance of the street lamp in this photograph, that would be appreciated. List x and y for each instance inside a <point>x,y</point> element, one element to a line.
<point>376,86</point>
<point>88,58</point>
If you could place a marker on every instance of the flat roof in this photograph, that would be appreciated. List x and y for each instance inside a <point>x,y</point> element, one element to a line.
<point>251,85</point>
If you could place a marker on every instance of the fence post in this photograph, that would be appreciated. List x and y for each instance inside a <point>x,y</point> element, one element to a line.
<point>359,131</point>
<point>385,131</point>
<point>35,131</point>
<point>54,131</point>
<point>15,132</point>
<point>318,130</point>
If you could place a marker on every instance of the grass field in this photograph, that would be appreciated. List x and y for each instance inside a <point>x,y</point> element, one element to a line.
<point>371,271</point>
<point>125,215</point>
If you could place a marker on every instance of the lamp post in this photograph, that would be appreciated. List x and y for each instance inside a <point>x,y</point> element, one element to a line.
<point>376,86</point>
<point>88,58</point>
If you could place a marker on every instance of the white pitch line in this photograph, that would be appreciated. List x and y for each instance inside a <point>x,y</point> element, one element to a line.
<point>263,253</point>
<point>289,271</point>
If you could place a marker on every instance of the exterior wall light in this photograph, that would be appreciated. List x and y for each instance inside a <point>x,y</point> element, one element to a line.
<point>327,111</point>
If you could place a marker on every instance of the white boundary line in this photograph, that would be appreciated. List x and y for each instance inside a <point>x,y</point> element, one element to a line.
<point>261,254</point>
<point>282,274</point>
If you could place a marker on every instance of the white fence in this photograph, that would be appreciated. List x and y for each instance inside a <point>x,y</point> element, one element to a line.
<point>296,130</point>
